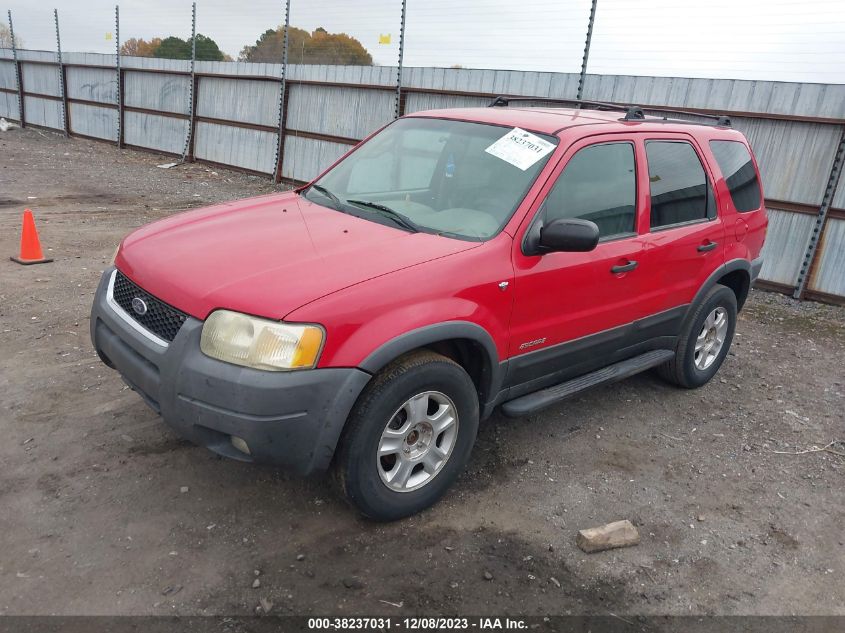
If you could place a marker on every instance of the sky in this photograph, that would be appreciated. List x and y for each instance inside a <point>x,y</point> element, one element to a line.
<point>783,40</point>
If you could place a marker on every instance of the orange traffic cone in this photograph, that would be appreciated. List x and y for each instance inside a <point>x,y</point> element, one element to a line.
<point>30,245</point>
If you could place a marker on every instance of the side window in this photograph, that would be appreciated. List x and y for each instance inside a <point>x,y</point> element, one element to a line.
<point>597,184</point>
<point>740,175</point>
<point>680,191</point>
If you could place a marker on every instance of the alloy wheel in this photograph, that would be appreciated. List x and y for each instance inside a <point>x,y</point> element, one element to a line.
<point>711,338</point>
<point>417,441</point>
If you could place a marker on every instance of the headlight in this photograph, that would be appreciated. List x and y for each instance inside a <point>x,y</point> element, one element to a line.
<point>260,343</point>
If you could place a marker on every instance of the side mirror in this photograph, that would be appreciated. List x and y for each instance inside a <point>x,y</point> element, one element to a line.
<point>570,235</point>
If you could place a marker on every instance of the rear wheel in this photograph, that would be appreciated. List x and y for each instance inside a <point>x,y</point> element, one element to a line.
<point>704,341</point>
<point>408,437</point>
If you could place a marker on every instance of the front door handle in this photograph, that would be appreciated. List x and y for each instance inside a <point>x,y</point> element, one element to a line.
<point>624,268</point>
<point>707,247</point>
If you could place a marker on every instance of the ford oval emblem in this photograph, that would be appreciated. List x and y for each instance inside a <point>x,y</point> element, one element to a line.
<point>139,306</point>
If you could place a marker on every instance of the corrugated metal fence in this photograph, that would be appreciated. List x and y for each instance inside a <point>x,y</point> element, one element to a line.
<point>240,120</point>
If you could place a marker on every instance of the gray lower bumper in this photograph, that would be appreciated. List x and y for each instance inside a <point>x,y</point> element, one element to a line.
<point>288,418</point>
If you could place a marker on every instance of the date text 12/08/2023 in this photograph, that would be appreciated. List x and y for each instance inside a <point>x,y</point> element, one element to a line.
<point>416,624</point>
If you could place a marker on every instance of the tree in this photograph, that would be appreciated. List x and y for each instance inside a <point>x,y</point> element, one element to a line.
<point>207,49</point>
<point>332,48</point>
<point>6,38</point>
<point>176,48</point>
<point>319,47</point>
<point>140,47</point>
<point>173,48</point>
<point>269,46</point>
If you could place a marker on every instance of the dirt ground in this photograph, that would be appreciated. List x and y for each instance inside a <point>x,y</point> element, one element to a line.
<point>93,519</point>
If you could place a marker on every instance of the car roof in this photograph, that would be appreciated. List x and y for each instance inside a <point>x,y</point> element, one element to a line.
<point>546,120</point>
<point>554,120</point>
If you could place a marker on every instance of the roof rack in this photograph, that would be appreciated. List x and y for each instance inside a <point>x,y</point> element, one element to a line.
<point>505,101</point>
<point>632,112</point>
<point>720,119</point>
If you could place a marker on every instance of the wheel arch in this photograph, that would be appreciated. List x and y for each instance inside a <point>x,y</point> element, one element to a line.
<point>466,343</point>
<point>735,274</point>
<point>738,280</point>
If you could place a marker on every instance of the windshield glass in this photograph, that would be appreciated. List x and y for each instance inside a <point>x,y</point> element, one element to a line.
<point>437,176</point>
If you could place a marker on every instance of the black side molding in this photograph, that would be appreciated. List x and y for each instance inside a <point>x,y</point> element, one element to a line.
<point>545,397</point>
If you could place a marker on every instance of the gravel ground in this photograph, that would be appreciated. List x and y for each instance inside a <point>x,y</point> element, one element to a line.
<point>103,510</point>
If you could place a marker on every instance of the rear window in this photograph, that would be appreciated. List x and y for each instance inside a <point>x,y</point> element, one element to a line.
<point>741,177</point>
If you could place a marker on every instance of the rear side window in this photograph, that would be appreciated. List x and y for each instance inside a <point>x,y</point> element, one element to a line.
<point>597,184</point>
<point>679,188</point>
<point>741,177</point>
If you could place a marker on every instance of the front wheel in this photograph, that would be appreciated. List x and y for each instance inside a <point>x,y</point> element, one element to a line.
<point>409,436</point>
<point>704,341</point>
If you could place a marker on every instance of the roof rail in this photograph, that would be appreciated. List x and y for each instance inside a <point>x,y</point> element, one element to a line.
<point>720,119</point>
<point>505,101</point>
<point>632,112</point>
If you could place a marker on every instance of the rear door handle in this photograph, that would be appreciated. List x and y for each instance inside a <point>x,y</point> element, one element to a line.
<point>707,247</point>
<point>624,268</point>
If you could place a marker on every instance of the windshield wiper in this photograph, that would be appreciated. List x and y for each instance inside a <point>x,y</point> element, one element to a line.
<point>328,194</point>
<point>402,220</point>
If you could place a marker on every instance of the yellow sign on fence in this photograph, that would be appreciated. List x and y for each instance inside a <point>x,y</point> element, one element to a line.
<point>384,38</point>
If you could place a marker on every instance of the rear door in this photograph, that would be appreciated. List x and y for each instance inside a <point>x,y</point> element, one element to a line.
<point>686,238</point>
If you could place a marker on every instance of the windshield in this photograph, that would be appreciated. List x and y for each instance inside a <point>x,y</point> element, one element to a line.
<point>438,176</point>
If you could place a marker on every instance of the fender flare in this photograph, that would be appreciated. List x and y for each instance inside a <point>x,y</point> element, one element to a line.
<point>492,375</point>
<point>713,279</point>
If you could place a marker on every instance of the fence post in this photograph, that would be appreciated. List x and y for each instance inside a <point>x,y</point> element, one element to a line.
<point>399,110</point>
<point>583,76</point>
<point>188,151</point>
<point>62,89</point>
<point>18,78</point>
<point>280,143</point>
<point>119,76</point>
<point>827,200</point>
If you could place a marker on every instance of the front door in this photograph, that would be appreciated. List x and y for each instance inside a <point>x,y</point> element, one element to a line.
<point>569,307</point>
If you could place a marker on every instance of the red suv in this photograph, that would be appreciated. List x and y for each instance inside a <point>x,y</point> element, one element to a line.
<point>454,262</point>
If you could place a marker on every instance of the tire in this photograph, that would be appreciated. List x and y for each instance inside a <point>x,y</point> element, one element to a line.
<point>690,369</point>
<point>435,457</point>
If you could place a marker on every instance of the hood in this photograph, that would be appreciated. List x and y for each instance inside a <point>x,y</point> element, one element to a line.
<point>268,255</point>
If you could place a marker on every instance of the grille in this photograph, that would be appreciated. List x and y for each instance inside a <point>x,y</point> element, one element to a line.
<point>161,319</point>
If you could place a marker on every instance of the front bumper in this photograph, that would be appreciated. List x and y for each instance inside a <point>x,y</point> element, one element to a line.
<point>289,418</point>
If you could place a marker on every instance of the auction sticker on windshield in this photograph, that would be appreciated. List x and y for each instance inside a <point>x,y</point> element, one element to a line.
<point>520,148</point>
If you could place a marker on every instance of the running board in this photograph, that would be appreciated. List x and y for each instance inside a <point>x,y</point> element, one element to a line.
<point>532,402</point>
